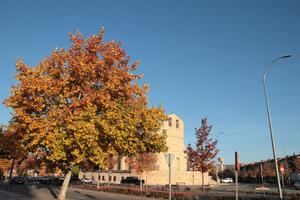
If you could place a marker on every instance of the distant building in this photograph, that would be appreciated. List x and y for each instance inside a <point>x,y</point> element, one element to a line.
<point>174,128</point>
<point>266,168</point>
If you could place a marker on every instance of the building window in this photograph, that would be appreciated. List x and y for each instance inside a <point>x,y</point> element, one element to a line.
<point>103,178</point>
<point>170,122</point>
<point>99,177</point>
<point>177,123</point>
<point>115,178</point>
<point>109,178</point>
<point>122,178</point>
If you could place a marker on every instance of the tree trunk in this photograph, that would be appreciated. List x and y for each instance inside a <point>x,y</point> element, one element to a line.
<point>98,180</point>
<point>141,184</point>
<point>64,187</point>
<point>202,172</point>
<point>146,180</point>
<point>11,170</point>
<point>202,180</point>
<point>108,181</point>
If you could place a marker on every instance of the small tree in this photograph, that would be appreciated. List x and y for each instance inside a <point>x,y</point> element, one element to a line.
<point>143,163</point>
<point>202,156</point>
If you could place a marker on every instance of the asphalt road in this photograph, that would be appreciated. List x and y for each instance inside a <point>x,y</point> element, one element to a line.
<point>43,192</point>
<point>254,188</point>
<point>47,192</point>
<point>251,190</point>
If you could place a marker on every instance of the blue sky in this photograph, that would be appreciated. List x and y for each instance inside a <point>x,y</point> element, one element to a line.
<point>201,58</point>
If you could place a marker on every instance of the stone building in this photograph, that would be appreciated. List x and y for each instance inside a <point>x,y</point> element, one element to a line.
<point>174,128</point>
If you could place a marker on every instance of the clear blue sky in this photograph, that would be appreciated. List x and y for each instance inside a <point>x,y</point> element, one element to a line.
<point>201,58</point>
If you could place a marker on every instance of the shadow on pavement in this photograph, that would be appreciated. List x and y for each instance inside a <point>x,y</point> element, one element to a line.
<point>16,190</point>
<point>53,193</point>
<point>87,195</point>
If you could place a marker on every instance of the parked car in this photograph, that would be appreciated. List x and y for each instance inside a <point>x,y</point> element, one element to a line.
<point>86,180</point>
<point>29,179</point>
<point>57,180</point>
<point>132,180</point>
<point>18,180</point>
<point>46,180</point>
<point>227,180</point>
<point>297,185</point>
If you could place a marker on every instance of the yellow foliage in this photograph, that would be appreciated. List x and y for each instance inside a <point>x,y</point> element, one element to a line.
<point>83,103</point>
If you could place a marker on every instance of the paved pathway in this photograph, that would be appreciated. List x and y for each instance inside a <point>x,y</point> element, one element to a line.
<point>42,192</point>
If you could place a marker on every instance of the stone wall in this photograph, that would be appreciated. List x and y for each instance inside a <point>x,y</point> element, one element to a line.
<point>183,178</point>
<point>151,178</point>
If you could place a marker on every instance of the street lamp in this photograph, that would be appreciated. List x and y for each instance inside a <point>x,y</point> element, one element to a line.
<point>270,121</point>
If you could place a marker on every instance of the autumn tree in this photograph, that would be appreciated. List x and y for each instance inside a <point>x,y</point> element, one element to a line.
<point>142,163</point>
<point>3,153</point>
<point>4,156</point>
<point>27,164</point>
<point>85,102</point>
<point>11,147</point>
<point>202,156</point>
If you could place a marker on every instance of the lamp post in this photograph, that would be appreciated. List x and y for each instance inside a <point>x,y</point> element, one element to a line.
<point>169,158</point>
<point>270,121</point>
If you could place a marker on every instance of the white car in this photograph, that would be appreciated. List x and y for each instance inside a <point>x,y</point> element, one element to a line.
<point>227,180</point>
<point>86,180</point>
